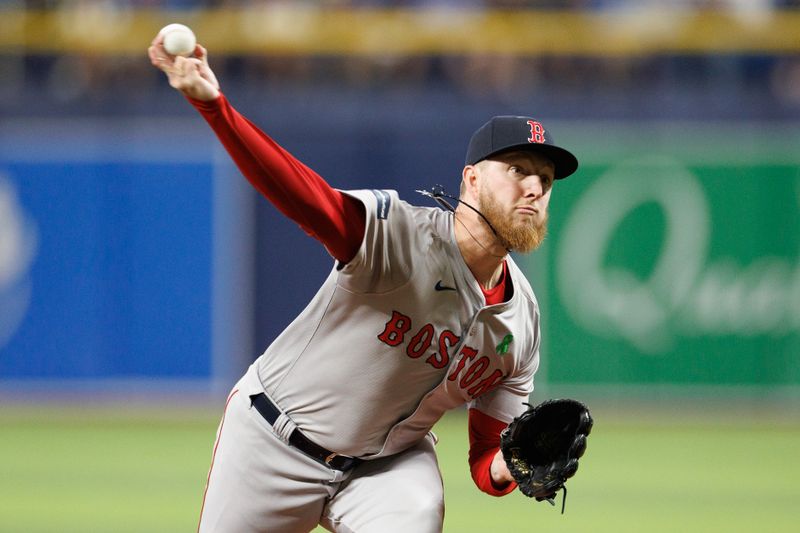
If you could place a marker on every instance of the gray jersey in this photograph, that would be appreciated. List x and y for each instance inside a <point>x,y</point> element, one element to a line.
<point>400,335</point>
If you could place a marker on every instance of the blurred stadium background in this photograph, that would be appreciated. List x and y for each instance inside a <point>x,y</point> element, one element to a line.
<point>139,275</point>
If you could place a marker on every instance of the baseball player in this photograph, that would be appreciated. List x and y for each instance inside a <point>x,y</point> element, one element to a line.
<point>423,311</point>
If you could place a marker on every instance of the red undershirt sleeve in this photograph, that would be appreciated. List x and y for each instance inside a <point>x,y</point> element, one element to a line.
<point>484,442</point>
<point>484,430</point>
<point>333,218</point>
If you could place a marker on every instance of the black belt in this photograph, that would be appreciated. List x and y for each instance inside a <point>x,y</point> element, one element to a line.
<point>271,413</point>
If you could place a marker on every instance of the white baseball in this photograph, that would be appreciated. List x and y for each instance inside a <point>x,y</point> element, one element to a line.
<point>179,40</point>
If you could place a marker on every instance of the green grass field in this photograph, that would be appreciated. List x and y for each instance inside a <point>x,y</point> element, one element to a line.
<point>143,470</point>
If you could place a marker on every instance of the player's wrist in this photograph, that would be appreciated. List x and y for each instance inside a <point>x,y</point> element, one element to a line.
<point>202,94</point>
<point>499,472</point>
<point>204,104</point>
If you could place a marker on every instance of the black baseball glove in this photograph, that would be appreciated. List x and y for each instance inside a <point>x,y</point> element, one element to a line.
<point>542,446</point>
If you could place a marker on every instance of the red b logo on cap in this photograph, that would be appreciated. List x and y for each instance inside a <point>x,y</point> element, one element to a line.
<point>537,132</point>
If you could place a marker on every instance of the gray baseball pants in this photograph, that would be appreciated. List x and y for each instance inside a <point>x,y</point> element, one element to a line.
<point>258,483</point>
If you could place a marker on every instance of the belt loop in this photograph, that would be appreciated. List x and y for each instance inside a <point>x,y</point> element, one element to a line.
<point>284,426</point>
<point>285,429</point>
<point>338,475</point>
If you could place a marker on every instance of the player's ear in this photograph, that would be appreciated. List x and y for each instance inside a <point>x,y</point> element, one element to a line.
<point>469,181</point>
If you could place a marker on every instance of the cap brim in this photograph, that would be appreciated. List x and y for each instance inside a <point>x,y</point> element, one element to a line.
<point>565,163</point>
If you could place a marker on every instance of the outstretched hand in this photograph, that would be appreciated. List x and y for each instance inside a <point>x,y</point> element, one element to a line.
<point>190,75</point>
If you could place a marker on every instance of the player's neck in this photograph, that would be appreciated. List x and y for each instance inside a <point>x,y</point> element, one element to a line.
<point>479,247</point>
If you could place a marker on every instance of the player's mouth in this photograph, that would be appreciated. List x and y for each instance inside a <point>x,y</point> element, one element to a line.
<point>528,210</point>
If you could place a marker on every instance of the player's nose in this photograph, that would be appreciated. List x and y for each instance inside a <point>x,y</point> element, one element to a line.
<point>533,186</point>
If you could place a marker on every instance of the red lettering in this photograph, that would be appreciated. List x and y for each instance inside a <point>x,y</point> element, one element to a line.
<point>442,359</point>
<point>396,329</point>
<point>466,353</point>
<point>486,384</point>
<point>474,372</point>
<point>537,132</point>
<point>420,342</point>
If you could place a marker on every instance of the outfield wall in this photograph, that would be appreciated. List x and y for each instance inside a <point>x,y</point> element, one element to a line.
<point>130,249</point>
<point>675,260</point>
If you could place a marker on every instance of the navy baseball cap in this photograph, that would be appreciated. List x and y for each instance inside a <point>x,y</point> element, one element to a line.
<point>507,133</point>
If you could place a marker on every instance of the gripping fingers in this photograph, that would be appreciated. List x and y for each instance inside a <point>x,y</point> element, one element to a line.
<point>190,75</point>
<point>202,54</point>
<point>158,56</point>
<point>184,73</point>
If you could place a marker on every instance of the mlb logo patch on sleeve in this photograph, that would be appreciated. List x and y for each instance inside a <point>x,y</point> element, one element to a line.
<point>384,203</point>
